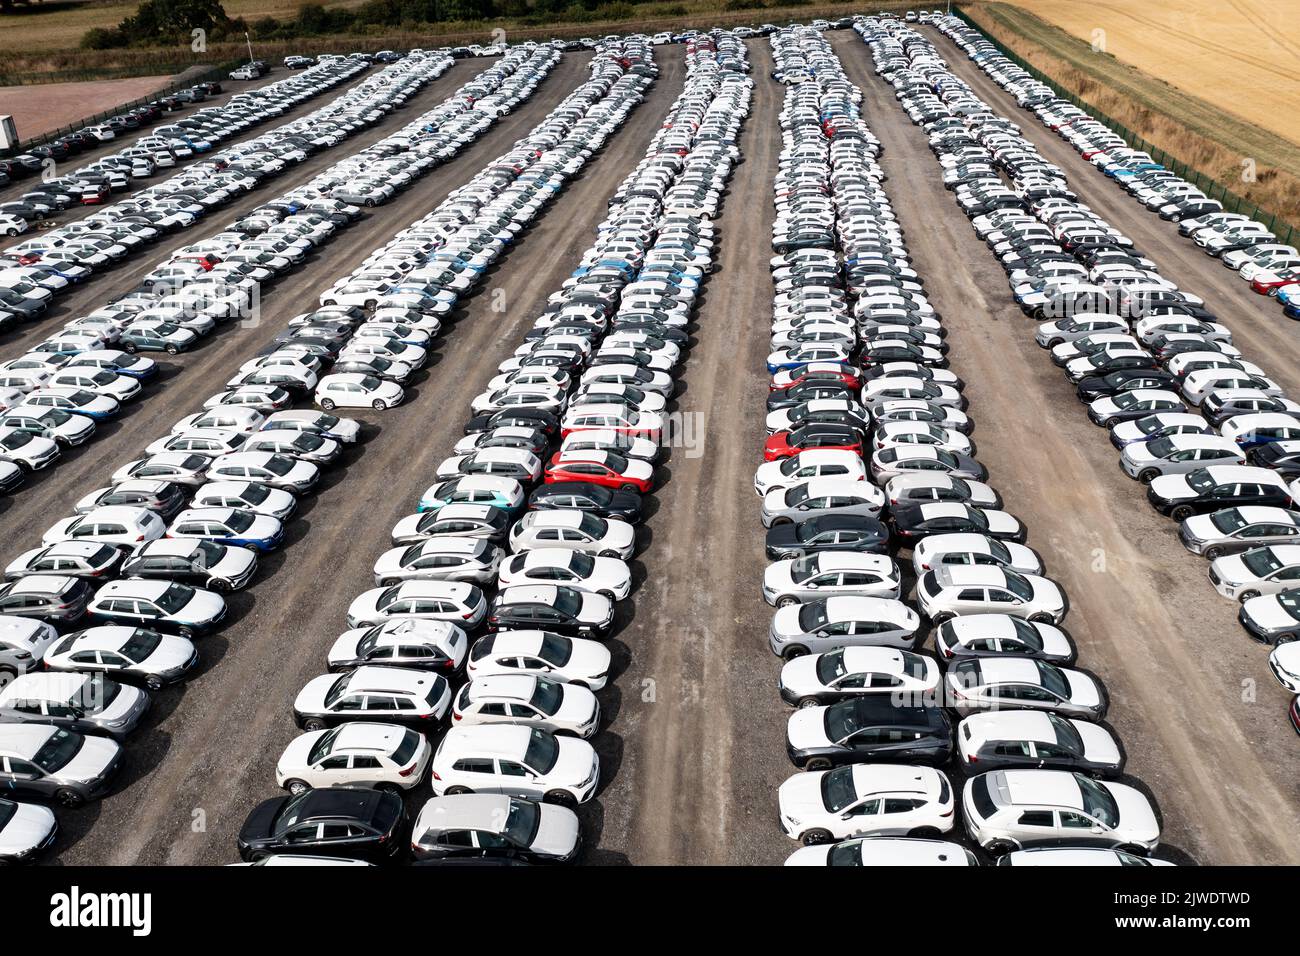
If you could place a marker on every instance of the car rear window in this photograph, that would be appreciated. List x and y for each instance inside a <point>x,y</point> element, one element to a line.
<point>979,791</point>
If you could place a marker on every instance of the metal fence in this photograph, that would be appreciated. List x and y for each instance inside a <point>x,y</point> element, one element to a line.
<point>1232,202</point>
<point>215,73</point>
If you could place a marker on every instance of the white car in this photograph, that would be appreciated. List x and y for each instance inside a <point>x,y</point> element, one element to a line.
<point>828,574</point>
<point>866,800</point>
<point>850,672</point>
<point>813,463</point>
<point>357,754</point>
<point>1076,856</point>
<point>573,529</point>
<point>26,829</point>
<point>1258,571</point>
<point>129,653</point>
<point>980,684</point>
<point>419,644</point>
<point>357,390</point>
<point>442,558</point>
<point>884,851</point>
<point>246,496</point>
<point>275,471</point>
<point>527,700</point>
<point>1178,454</point>
<point>115,524</point>
<point>419,600</point>
<point>516,761</point>
<point>953,590</point>
<point>1284,662</point>
<point>373,692</point>
<point>31,452</point>
<point>970,548</point>
<point>573,660</point>
<point>984,635</point>
<point>571,568</point>
<point>917,488</point>
<point>849,621</point>
<point>1008,810</point>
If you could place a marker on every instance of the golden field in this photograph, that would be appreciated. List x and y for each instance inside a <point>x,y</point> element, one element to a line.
<point>1242,56</point>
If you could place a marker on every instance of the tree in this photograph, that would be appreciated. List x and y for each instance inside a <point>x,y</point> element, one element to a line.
<point>171,21</point>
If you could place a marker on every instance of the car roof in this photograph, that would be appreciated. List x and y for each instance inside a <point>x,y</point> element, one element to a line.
<point>400,680</point>
<point>958,575</point>
<point>1054,787</point>
<point>468,811</point>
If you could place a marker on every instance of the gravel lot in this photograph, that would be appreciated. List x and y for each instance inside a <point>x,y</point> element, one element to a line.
<point>694,747</point>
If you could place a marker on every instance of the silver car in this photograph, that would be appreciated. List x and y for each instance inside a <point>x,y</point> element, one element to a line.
<point>450,558</point>
<point>1239,529</point>
<point>821,496</point>
<point>75,701</point>
<point>848,621</point>
<point>23,642</point>
<point>495,825</point>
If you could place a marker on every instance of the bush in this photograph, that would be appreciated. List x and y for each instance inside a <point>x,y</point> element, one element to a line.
<point>99,38</point>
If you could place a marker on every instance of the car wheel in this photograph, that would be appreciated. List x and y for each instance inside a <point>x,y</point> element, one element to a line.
<point>256,856</point>
<point>154,683</point>
<point>71,799</point>
<point>296,787</point>
<point>814,837</point>
<point>1214,553</point>
<point>252,547</point>
<point>780,521</point>
<point>221,586</point>
<point>807,702</point>
<point>389,788</point>
<point>627,487</point>
<point>11,232</point>
<point>817,763</point>
<point>795,651</point>
<point>943,617</point>
<point>390,582</point>
<point>313,724</point>
<point>1040,619</point>
<point>925,833</point>
<point>1182,513</point>
<point>786,600</point>
<point>128,348</point>
<point>610,554</point>
<point>186,632</point>
<point>1133,849</point>
<point>1053,343</point>
<point>1245,596</point>
<point>456,791</point>
<point>379,404</point>
<point>1148,475</point>
<point>561,798</point>
<point>999,848</point>
<point>172,350</point>
<point>326,404</point>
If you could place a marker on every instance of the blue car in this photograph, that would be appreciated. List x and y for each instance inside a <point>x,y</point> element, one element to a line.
<point>504,493</point>
<point>233,527</point>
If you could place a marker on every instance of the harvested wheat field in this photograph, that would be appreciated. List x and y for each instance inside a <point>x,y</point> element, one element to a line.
<point>40,110</point>
<point>1239,55</point>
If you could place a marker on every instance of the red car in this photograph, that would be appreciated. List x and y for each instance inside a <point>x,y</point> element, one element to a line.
<point>1272,285</point>
<point>602,468</point>
<point>813,435</point>
<point>817,372</point>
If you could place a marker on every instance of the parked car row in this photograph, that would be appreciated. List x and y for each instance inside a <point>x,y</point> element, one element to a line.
<point>147,560</point>
<point>525,717</point>
<point>36,269</point>
<point>1239,242</point>
<point>121,125</point>
<point>869,456</point>
<point>1215,439</point>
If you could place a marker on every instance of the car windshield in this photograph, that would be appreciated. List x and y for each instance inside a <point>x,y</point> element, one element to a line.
<point>522,822</point>
<point>1097,801</point>
<point>279,465</point>
<point>568,602</point>
<point>58,751</point>
<point>838,790</point>
<point>324,746</point>
<point>290,813</point>
<point>174,598</point>
<point>1289,601</point>
<point>812,616</point>
<point>547,696</point>
<point>543,751</point>
<point>1027,634</point>
<point>848,853</point>
<point>1228,521</point>
<point>254,494</point>
<point>830,666</point>
<point>1018,586</point>
<point>581,563</point>
<point>141,644</point>
<point>1053,679</point>
<point>1199,481</point>
<point>1066,734</point>
<point>556,650</point>
<point>801,569</point>
<point>1262,562</point>
<point>1161,447</point>
<point>592,525</point>
<point>843,720</point>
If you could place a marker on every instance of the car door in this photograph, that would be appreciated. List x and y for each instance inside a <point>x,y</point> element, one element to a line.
<point>516,780</point>
<point>24,777</point>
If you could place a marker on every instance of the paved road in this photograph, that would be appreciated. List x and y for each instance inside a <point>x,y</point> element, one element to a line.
<point>1203,721</point>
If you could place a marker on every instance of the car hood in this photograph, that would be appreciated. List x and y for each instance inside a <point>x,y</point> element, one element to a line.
<point>800,796</point>
<point>1266,612</point>
<point>1137,819</point>
<point>1098,745</point>
<point>28,827</point>
<point>557,831</point>
<point>92,760</point>
<point>1172,487</point>
<point>806,728</point>
<point>257,827</point>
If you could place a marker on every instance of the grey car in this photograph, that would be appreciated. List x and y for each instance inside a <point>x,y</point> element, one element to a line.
<point>74,701</point>
<point>1234,530</point>
<point>61,765</point>
<point>821,496</point>
<point>23,641</point>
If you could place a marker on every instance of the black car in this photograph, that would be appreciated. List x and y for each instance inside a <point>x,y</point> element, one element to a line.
<point>1058,747</point>
<point>523,417</point>
<point>351,822</point>
<point>1126,380</point>
<point>870,729</point>
<point>1281,456</point>
<point>1215,488</point>
<point>585,496</point>
<point>913,522</point>
<point>860,533</point>
<point>560,610</point>
<point>806,392</point>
